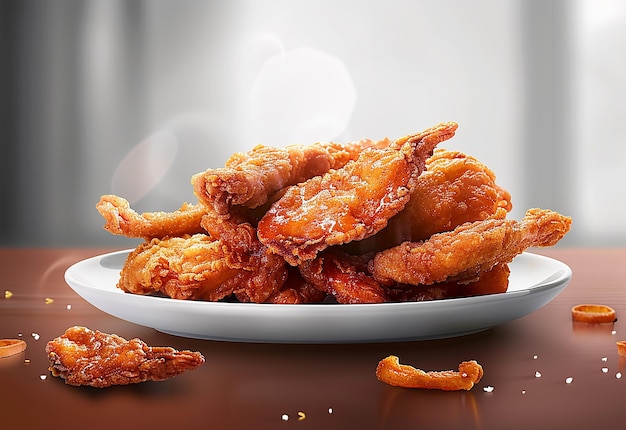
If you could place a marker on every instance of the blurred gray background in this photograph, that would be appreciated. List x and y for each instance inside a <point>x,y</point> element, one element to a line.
<point>134,97</point>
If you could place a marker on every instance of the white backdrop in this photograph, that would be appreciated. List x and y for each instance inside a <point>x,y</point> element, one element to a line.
<point>133,97</point>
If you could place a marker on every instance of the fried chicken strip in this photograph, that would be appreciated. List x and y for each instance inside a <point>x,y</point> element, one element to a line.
<point>350,203</point>
<point>190,267</point>
<point>249,179</point>
<point>470,249</point>
<point>84,357</point>
<point>122,220</point>
<point>455,188</point>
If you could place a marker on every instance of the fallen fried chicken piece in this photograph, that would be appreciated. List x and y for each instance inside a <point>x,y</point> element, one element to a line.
<point>122,220</point>
<point>85,357</point>
<point>455,188</point>
<point>249,179</point>
<point>468,250</point>
<point>350,203</point>
<point>390,371</point>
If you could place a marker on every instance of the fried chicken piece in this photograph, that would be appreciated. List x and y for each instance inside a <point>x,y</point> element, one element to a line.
<point>191,267</point>
<point>494,281</point>
<point>390,371</point>
<point>455,188</point>
<point>296,290</point>
<point>122,220</point>
<point>249,179</point>
<point>262,272</point>
<point>470,249</point>
<point>350,203</point>
<point>85,357</point>
<point>344,277</point>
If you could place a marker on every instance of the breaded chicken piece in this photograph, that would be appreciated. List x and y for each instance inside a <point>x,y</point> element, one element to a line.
<point>455,188</point>
<point>250,179</point>
<point>350,203</point>
<point>85,357</point>
<point>470,249</point>
<point>122,220</point>
<point>190,267</point>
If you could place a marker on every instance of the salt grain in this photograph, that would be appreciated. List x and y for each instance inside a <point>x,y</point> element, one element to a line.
<point>523,391</point>
<point>604,359</point>
<point>68,307</point>
<point>43,377</point>
<point>330,410</point>
<point>605,370</point>
<point>618,375</point>
<point>488,389</point>
<point>537,374</point>
<point>35,336</point>
<point>285,417</point>
<point>569,380</point>
<point>613,332</point>
<point>535,357</point>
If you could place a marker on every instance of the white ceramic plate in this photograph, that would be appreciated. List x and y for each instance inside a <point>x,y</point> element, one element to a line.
<point>534,281</point>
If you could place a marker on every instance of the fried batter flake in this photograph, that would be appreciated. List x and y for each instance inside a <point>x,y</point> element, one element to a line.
<point>84,357</point>
<point>390,371</point>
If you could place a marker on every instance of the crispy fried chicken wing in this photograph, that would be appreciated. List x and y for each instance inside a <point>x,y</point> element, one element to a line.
<point>85,357</point>
<point>455,188</point>
<point>122,220</point>
<point>350,203</point>
<point>469,249</point>
<point>249,179</point>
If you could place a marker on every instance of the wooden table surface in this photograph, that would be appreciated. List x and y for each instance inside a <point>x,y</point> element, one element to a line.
<point>255,385</point>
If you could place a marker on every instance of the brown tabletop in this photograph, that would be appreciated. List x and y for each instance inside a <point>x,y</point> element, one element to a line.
<point>527,362</point>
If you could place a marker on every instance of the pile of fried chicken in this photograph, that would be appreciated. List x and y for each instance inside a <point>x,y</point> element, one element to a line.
<point>363,222</point>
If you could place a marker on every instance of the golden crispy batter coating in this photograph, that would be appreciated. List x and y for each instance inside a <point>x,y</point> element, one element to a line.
<point>249,179</point>
<point>188,267</point>
<point>296,290</point>
<point>469,249</point>
<point>455,188</point>
<point>350,203</point>
<point>122,220</point>
<point>344,277</point>
<point>493,281</point>
<point>262,273</point>
<point>85,357</point>
<point>390,371</point>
